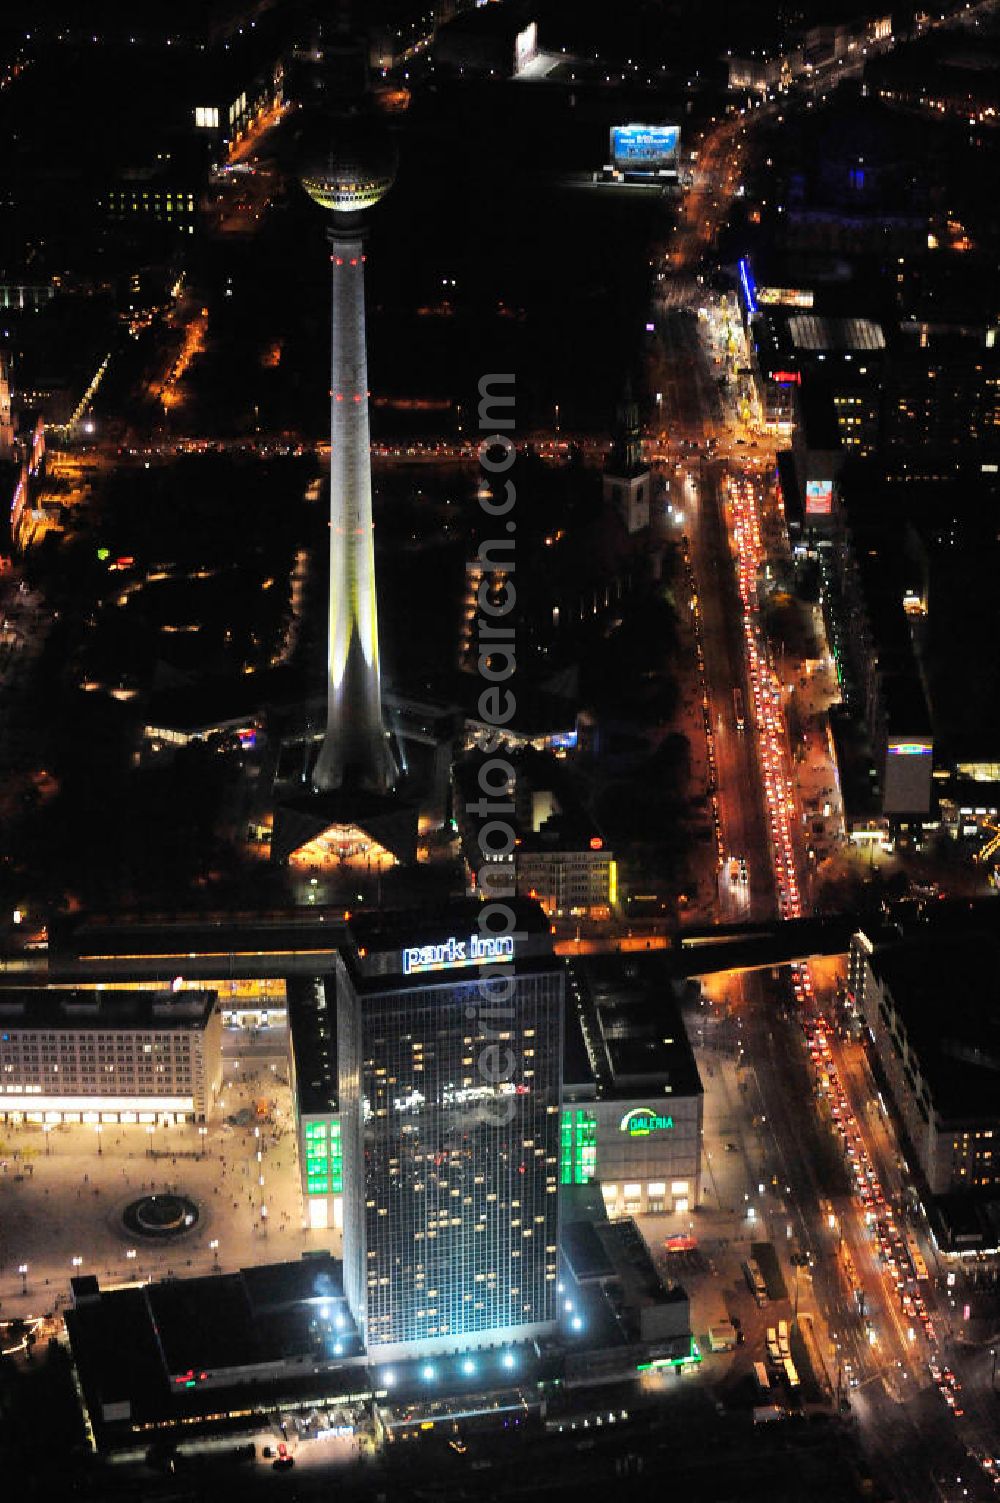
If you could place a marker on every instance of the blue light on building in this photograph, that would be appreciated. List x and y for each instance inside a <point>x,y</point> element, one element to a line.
<point>749,286</point>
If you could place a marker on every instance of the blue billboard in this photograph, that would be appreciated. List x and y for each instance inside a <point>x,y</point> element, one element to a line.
<point>644,148</point>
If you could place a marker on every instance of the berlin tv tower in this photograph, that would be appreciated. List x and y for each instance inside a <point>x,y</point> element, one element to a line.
<point>347,180</point>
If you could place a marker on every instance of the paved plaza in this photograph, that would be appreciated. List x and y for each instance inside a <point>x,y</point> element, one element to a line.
<point>62,1193</point>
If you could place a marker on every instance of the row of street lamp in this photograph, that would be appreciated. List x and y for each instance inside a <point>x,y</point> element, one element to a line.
<point>131,1254</point>
<point>99,1129</point>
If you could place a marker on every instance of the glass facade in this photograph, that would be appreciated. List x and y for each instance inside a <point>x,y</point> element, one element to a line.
<point>577,1147</point>
<point>450,1120</point>
<point>324,1157</point>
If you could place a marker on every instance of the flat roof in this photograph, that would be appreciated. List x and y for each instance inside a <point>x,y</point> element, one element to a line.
<point>204,1323</point>
<point>819,428</point>
<point>387,930</point>
<point>809,331</point>
<point>625,1006</point>
<point>569,827</point>
<point>57,1008</point>
<point>376,941</point>
<point>219,702</point>
<point>281,931</point>
<point>585,1252</point>
<point>129,1343</point>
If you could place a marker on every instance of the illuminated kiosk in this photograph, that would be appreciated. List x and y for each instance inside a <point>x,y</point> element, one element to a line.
<point>349,179</point>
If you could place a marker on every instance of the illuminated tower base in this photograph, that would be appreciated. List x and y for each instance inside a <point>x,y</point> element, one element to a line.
<point>355,750</point>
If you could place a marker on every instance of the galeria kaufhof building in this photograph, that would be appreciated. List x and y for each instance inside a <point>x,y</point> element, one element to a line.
<point>632,1098</point>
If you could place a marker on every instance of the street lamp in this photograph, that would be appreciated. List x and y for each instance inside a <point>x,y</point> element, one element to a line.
<point>77,1261</point>
<point>22,1269</point>
<point>150,1129</point>
<point>98,1131</point>
<point>47,1130</point>
<point>202,1132</point>
<point>214,1246</point>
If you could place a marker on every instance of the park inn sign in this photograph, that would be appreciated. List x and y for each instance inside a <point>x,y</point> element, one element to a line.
<point>453,953</point>
<point>641,1121</point>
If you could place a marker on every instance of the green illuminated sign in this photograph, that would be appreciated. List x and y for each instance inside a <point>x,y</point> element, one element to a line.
<point>642,1120</point>
<point>577,1147</point>
<point>324,1158</point>
<point>693,1355</point>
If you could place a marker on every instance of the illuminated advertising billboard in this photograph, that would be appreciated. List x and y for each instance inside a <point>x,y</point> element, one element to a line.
<point>785,297</point>
<point>645,148</point>
<point>909,766</point>
<point>819,498</point>
<point>525,46</point>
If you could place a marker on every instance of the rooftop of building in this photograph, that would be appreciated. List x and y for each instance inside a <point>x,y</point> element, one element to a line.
<point>817,428</point>
<point>36,1009</point>
<point>170,936</point>
<point>252,1317</point>
<point>385,930</point>
<point>538,712</point>
<point>151,1348</point>
<point>946,989</point>
<point>808,331</point>
<point>855,767</point>
<point>217,703</point>
<point>559,822</point>
<point>624,1033</point>
<point>563,831</point>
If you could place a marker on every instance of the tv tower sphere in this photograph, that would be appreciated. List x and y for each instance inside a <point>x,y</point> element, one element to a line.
<point>354,172</point>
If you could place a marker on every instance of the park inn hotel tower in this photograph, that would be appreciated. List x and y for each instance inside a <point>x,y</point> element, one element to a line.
<point>449,1121</point>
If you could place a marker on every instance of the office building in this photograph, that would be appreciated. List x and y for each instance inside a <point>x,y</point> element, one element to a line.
<point>929,1005</point>
<point>115,1057</point>
<point>942,392</point>
<point>560,857</point>
<point>449,1125</point>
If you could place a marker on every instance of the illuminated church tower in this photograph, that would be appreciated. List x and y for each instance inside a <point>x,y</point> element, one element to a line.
<point>347,180</point>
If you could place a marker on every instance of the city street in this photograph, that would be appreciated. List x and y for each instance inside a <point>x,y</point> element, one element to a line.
<point>829,1178</point>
